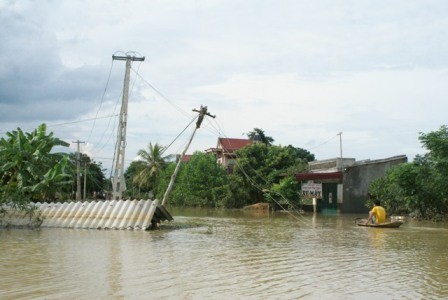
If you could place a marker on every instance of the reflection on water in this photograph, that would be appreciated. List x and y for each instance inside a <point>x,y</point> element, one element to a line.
<point>228,254</point>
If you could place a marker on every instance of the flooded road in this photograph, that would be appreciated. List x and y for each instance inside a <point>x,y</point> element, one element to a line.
<point>229,255</point>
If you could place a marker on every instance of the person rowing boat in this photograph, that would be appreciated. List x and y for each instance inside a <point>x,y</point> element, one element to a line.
<point>378,214</point>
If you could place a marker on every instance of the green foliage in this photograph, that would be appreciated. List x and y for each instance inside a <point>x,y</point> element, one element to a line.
<point>153,163</point>
<point>261,166</point>
<point>286,191</point>
<point>253,170</point>
<point>437,144</point>
<point>132,190</point>
<point>200,182</point>
<point>29,171</point>
<point>164,180</point>
<point>238,192</point>
<point>301,155</point>
<point>96,180</point>
<point>389,191</point>
<point>258,135</point>
<point>419,187</point>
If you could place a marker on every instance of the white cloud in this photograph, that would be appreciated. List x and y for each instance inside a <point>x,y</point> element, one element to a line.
<point>381,109</point>
<point>300,70</point>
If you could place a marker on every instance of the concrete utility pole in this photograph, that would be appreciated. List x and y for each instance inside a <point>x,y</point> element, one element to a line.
<point>118,182</point>
<point>85,179</point>
<point>340,142</point>
<point>78,179</point>
<point>340,148</point>
<point>202,113</point>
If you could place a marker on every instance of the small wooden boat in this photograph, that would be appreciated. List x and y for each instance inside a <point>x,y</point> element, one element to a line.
<point>393,224</point>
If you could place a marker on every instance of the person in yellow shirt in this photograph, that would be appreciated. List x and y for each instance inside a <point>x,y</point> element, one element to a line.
<point>378,214</point>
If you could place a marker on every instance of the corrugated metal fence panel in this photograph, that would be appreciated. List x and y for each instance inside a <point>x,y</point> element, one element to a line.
<point>108,214</point>
<point>14,217</point>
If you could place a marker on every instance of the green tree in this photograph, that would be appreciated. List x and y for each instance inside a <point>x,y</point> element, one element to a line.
<point>437,144</point>
<point>260,166</point>
<point>96,180</point>
<point>237,193</point>
<point>258,135</point>
<point>200,182</point>
<point>164,179</point>
<point>153,163</point>
<point>287,191</point>
<point>419,187</point>
<point>133,190</point>
<point>29,170</point>
<point>302,155</point>
<point>252,169</point>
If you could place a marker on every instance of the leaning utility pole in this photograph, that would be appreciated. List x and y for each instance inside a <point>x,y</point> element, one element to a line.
<point>202,113</point>
<point>78,179</point>
<point>118,182</point>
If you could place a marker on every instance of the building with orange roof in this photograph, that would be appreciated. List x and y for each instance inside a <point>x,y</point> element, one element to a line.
<point>225,151</point>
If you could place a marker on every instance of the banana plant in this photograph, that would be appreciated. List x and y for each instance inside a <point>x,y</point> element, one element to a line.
<point>29,170</point>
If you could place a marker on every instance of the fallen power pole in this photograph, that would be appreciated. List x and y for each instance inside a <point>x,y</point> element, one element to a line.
<point>202,113</point>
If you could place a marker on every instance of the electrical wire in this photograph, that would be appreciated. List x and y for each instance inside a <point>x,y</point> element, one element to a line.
<point>263,190</point>
<point>167,147</point>
<point>102,99</point>
<point>69,123</point>
<point>323,143</point>
<point>162,95</point>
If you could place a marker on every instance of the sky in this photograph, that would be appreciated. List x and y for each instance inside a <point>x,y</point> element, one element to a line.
<point>302,71</point>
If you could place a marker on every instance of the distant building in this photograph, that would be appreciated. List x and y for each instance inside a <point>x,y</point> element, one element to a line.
<point>225,151</point>
<point>342,184</point>
<point>186,157</point>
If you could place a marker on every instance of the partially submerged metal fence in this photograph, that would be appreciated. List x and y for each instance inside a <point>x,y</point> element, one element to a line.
<point>104,214</point>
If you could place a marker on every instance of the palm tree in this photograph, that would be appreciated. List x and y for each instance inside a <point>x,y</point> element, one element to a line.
<point>153,162</point>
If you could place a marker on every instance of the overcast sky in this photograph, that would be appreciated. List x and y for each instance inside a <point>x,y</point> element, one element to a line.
<point>302,71</point>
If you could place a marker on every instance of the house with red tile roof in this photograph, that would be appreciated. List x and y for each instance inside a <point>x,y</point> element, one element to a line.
<point>186,157</point>
<point>225,151</point>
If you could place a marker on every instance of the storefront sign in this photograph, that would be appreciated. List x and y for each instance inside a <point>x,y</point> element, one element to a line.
<point>312,189</point>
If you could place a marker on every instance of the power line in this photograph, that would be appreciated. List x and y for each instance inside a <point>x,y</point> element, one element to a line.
<point>162,95</point>
<point>323,142</point>
<point>259,187</point>
<point>72,122</point>
<point>166,148</point>
<point>102,98</point>
<point>110,158</point>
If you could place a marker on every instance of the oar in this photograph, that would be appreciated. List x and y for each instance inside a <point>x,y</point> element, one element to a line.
<point>357,220</point>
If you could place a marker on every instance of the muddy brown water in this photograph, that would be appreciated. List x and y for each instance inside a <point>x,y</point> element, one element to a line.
<point>211,254</point>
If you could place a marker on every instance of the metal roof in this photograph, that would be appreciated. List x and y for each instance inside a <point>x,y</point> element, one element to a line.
<point>319,176</point>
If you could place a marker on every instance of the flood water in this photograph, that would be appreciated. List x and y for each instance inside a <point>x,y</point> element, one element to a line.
<point>229,255</point>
